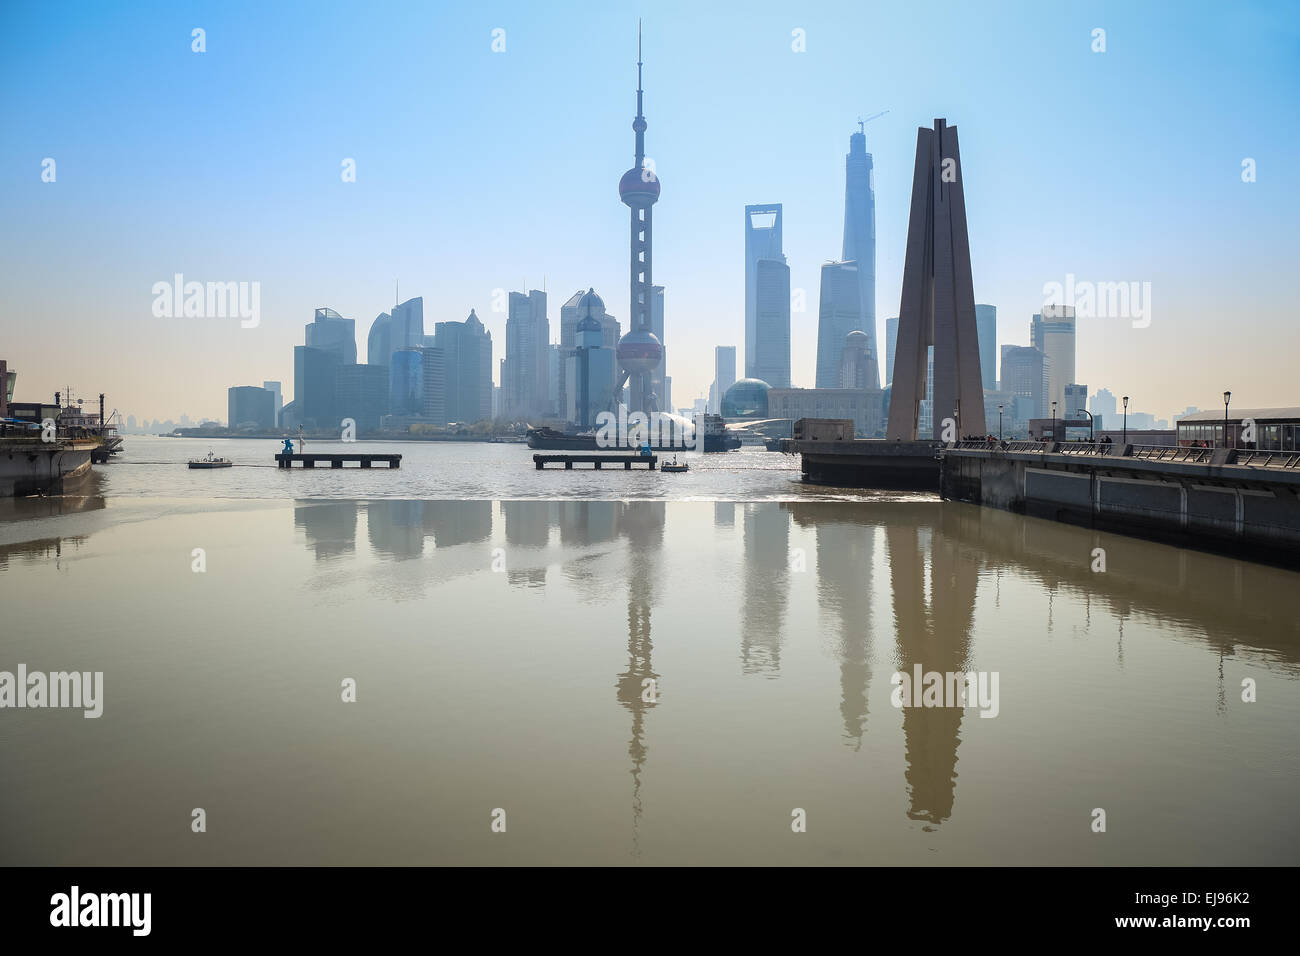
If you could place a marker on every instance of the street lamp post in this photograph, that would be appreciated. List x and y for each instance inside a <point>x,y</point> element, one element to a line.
<point>1126,419</point>
<point>1227,397</point>
<point>1090,421</point>
<point>1053,422</point>
<point>999,424</point>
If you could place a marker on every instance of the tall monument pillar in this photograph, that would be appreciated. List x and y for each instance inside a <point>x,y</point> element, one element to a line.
<point>938,301</point>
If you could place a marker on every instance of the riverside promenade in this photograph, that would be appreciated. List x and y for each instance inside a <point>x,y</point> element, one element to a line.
<point>1218,498</point>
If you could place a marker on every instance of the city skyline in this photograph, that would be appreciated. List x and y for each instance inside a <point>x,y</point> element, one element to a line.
<point>125,213</point>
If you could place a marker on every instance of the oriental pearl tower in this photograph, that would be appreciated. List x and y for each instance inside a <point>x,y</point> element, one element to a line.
<point>640,351</point>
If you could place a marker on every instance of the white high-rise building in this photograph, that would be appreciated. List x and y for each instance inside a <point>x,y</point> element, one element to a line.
<point>767,297</point>
<point>277,399</point>
<point>724,375</point>
<point>526,370</point>
<point>860,244</point>
<point>1052,333</point>
<point>839,312</point>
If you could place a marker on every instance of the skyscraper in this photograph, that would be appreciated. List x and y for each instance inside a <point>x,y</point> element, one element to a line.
<point>839,313</point>
<point>362,394</point>
<point>467,354</point>
<point>937,307</point>
<point>986,323</point>
<point>433,381</point>
<point>860,241</point>
<point>275,390</point>
<point>1103,404</point>
<point>891,343</point>
<point>1026,373</point>
<point>331,332</point>
<point>250,405</point>
<point>406,383</point>
<point>1076,401</point>
<point>569,318</point>
<point>767,297</point>
<point>379,343</point>
<point>592,367</point>
<point>640,352</point>
<point>856,366</point>
<point>724,375</point>
<point>407,325</point>
<point>313,386</point>
<point>925,415</point>
<point>526,370</point>
<point>1052,333</point>
<point>659,375</point>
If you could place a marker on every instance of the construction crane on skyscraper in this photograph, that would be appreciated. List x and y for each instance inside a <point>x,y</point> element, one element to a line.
<point>862,123</point>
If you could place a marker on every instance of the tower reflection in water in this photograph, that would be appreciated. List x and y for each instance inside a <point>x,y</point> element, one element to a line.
<point>921,563</point>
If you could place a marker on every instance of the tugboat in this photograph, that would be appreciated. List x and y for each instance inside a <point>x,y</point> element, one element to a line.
<point>210,461</point>
<point>673,466</point>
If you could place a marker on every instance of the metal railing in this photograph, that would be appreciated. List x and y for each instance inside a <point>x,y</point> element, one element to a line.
<point>1182,453</point>
<point>1026,446</point>
<point>1268,459</point>
<point>1084,448</point>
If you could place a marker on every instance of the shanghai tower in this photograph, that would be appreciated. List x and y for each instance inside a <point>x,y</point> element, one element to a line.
<point>860,239</point>
<point>640,352</point>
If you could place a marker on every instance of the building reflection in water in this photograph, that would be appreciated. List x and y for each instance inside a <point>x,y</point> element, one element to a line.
<point>767,582</point>
<point>846,554</point>
<point>584,526</point>
<point>396,528</point>
<point>330,527</point>
<point>936,556</point>
<point>527,527</point>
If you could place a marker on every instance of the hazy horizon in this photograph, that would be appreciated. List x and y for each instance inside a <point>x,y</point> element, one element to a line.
<point>479,171</point>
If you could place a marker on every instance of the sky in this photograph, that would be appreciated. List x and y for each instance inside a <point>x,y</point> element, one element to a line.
<point>479,171</point>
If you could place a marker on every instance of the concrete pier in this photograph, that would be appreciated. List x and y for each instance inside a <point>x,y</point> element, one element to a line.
<point>337,460</point>
<point>869,463</point>
<point>598,461</point>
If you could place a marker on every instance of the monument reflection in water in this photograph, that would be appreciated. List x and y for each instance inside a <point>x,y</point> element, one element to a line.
<point>748,649</point>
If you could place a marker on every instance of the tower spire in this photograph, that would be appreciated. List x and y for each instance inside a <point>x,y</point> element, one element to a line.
<point>639,124</point>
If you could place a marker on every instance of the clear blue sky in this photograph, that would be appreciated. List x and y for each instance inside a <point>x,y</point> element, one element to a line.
<point>479,170</point>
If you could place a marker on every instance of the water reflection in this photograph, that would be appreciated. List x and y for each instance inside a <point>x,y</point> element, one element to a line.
<point>923,564</point>
<point>847,551</point>
<point>85,496</point>
<point>773,628</point>
<point>637,687</point>
<point>932,615</point>
<point>766,587</point>
<point>330,527</point>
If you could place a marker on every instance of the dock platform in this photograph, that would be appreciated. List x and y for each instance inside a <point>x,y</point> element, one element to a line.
<point>599,461</point>
<point>337,460</point>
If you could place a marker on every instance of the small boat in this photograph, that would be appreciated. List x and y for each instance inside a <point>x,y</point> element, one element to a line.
<point>673,466</point>
<point>210,461</point>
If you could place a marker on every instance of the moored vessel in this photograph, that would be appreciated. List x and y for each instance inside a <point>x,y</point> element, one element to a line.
<point>210,461</point>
